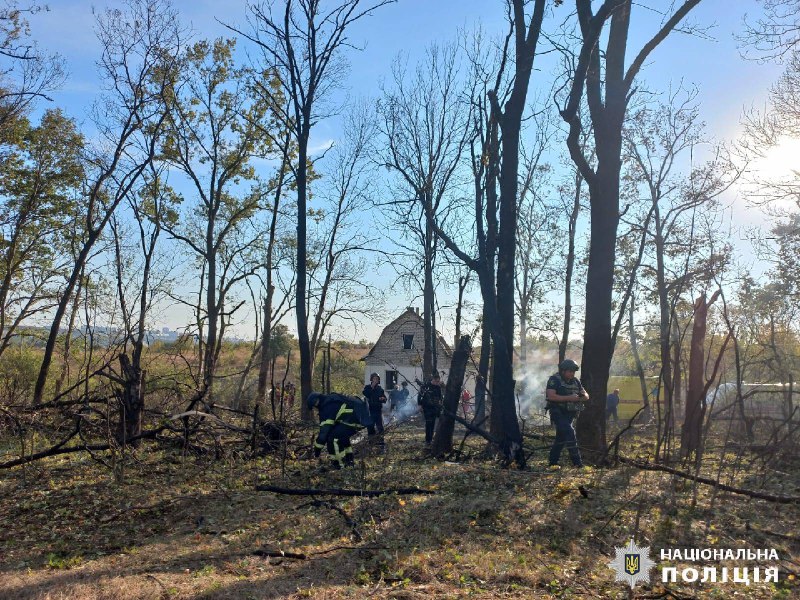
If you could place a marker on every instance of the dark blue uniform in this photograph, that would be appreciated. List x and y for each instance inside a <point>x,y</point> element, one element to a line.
<point>562,416</point>
<point>430,399</point>
<point>612,401</point>
<point>340,417</point>
<point>399,397</point>
<point>376,398</point>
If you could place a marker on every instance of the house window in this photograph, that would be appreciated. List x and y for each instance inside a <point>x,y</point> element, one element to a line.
<point>408,341</point>
<point>391,380</point>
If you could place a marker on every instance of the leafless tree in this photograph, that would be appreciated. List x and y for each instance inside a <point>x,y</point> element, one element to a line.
<point>142,280</point>
<point>539,240</point>
<point>338,268</point>
<point>423,120</point>
<point>496,168</point>
<point>304,44</point>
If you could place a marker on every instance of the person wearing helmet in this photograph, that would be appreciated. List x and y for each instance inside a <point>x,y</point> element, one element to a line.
<point>340,417</point>
<point>430,399</point>
<point>565,399</point>
<point>376,398</point>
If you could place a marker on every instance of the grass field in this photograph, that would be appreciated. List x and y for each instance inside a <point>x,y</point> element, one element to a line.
<point>192,528</point>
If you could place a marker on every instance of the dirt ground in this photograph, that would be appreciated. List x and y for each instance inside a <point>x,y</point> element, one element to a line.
<point>193,527</point>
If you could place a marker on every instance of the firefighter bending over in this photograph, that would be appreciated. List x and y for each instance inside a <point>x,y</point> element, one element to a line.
<point>340,418</point>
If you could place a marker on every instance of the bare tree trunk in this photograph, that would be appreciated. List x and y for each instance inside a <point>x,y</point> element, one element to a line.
<point>504,409</point>
<point>666,323</point>
<point>61,309</point>
<point>443,440</point>
<point>62,377</point>
<point>677,392</point>
<point>523,336</point>
<point>482,380</point>
<point>328,369</point>
<point>266,338</point>
<point>691,438</point>
<point>212,312</point>
<point>646,415</point>
<point>462,285</point>
<point>428,302</point>
<point>131,403</point>
<point>301,265</point>
<point>608,88</point>
<point>570,266</point>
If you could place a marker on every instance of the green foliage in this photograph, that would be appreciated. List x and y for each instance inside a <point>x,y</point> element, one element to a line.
<point>281,340</point>
<point>347,370</point>
<point>58,560</point>
<point>39,183</point>
<point>18,370</point>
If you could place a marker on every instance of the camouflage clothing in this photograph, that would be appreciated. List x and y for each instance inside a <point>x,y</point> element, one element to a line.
<point>564,388</point>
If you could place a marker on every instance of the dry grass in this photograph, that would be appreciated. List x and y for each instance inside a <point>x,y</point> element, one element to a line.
<point>187,528</point>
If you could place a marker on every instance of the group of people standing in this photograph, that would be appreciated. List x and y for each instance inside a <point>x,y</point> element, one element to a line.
<point>429,398</point>
<point>342,416</point>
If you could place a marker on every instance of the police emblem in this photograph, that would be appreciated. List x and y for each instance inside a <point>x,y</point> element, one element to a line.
<point>632,564</point>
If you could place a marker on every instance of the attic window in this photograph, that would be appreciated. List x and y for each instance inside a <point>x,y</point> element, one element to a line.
<point>408,341</point>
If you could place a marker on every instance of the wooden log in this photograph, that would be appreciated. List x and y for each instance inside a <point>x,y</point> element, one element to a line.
<point>340,492</point>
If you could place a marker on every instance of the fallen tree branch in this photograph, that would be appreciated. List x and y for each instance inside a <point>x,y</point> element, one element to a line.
<point>335,548</point>
<point>59,448</point>
<point>780,499</point>
<point>280,554</point>
<point>474,429</point>
<point>340,492</point>
<point>304,556</point>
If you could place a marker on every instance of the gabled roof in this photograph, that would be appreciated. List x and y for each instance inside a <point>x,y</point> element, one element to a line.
<point>408,315</point>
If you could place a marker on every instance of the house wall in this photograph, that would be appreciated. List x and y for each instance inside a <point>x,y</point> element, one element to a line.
<point>407,373</point>
<point>388,354</point>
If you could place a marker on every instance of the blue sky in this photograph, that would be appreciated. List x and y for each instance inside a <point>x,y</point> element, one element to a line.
<point>727,83</point>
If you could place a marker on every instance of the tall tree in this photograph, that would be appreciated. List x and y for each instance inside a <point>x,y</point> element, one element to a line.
<point>691,433</point>
<point>270,308</point>
<point>212,136</point>
<point>423,120</point>
<point>658,137</point>
<point>538,240</point>
<point>497,217</point>
<point>40,179</point>
<point>304,45</point>
<point>609,86</point>
<point>338,267</point>
<point>139,48</point>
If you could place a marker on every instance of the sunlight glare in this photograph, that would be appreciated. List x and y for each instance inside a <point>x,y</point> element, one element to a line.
<point>779,162</point>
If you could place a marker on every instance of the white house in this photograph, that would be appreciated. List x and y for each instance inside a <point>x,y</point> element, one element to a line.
<point>397,355</point>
